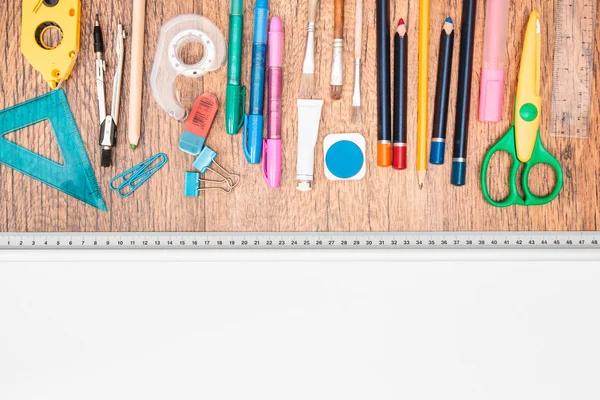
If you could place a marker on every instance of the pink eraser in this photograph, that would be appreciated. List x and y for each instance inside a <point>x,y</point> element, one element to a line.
<point>491,95</point>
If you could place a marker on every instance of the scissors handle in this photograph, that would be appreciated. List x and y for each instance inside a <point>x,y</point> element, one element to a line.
<point>541,156</point>
<point>507,144</point>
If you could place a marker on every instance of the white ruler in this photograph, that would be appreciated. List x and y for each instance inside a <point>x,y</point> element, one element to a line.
<point>467,240</point>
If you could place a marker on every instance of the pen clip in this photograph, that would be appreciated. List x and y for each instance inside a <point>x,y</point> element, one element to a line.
<point>245,137</point>
<point>242,107</point>
<point>265,162</point>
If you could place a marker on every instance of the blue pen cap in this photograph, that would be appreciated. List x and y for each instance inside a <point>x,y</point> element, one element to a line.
<point>459,173</point>
<point>252,140</point>
<point>438,149</point>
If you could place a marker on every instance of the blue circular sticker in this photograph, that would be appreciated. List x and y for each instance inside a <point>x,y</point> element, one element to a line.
<point>344,159</point>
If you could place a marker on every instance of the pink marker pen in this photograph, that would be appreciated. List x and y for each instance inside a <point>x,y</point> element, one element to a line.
<point>494,60</point>
<point>271,156</point>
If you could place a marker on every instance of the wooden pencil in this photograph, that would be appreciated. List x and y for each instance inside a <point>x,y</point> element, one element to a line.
<point>423,92</point>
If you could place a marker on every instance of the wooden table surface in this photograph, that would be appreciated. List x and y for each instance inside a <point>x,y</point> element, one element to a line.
<point>386,200</point>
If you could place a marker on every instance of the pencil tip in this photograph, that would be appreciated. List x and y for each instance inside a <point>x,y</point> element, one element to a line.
<point>401,22</point>
<point>133,146</point>
<point>449,20</point>
<point>421,178</point>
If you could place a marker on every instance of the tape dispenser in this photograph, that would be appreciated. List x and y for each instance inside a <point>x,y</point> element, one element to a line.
<point>174,35</point>
<point>54,61</point>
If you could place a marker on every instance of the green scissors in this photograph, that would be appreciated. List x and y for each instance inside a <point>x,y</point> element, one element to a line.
<point>523,141</point>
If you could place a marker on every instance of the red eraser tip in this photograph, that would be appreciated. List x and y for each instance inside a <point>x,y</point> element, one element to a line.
<point>399,158</point>
<point>401,22</point>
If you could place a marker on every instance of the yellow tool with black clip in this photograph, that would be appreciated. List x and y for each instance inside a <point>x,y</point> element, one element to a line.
<point>54,61</point>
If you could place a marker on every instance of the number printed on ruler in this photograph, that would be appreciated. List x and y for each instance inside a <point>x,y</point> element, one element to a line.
<point>573,72</point>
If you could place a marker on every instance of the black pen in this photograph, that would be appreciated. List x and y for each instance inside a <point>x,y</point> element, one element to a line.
<point>463,98</point>
<point>442,94</point>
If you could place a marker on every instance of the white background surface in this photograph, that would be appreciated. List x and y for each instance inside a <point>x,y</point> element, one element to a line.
<point>290,331</point>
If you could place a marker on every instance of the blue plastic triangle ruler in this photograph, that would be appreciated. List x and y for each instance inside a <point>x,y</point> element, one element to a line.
<point>75,176</point>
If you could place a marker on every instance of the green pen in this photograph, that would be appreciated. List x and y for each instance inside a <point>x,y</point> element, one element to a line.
<point>236,93</point>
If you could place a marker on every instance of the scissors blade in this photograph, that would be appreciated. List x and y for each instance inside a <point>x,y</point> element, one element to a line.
<point>528,105</point>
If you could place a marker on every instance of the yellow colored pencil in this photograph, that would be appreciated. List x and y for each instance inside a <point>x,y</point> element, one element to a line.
<point>423,97</point>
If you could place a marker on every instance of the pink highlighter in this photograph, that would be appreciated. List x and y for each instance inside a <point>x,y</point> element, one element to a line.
<point>494,59</point>
<point>271,156</point>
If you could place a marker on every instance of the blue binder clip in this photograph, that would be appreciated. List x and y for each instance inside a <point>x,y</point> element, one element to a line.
<point>204,162</point>
<point>226,181</point>
<point>129,181</point>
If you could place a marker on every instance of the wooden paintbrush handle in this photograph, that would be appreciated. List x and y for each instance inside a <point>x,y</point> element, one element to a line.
<point>338,16</point>
<point>358,29</point>
<point>313,6</point>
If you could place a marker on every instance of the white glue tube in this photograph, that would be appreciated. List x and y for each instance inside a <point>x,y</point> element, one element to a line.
<point>309,117</point>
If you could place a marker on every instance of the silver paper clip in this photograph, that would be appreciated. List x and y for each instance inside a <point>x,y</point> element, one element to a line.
<point>129,181</point>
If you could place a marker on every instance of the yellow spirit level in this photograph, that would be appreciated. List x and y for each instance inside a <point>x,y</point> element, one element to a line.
<point>54,61</point>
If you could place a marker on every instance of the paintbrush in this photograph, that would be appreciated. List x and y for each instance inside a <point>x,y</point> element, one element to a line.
<point>356,117</point>
<point>337,75</point>
<point>307,84</point>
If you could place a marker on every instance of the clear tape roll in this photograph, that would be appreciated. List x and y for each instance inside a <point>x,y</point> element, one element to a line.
<point>167,66</point>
